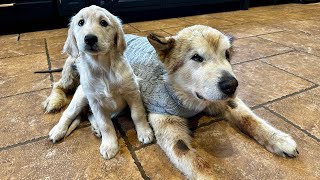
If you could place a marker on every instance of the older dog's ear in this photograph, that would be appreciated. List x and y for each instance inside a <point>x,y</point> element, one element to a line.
<point>161,44</point>
<point>230,38</point>
<point>70,46</point>
<point>119,38</point>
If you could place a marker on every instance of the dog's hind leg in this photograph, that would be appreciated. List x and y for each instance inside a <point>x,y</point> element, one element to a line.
<point>68,81</point>
<point>172,135</point>
<point>271,138</point>
<point>65,124</point>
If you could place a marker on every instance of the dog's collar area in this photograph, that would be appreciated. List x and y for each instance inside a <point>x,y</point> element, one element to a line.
<point>173,95</point>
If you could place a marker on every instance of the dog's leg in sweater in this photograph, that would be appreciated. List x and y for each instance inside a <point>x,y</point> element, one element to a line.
<point>69,81</point>
<point>172,135</point>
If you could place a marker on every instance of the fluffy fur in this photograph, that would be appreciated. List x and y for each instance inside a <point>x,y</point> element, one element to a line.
<point>198,82</point>
<point>108,83</point>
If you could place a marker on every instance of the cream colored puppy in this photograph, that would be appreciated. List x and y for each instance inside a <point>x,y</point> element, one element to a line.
<point>95,40</point>
<point>184,75</point>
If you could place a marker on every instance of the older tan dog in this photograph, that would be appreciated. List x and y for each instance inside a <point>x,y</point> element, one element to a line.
<point>184,75</point>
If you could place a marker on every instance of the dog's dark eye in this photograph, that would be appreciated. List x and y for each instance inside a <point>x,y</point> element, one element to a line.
<point>227,55</point>
<point>81,22</point>
<point>103,23</point>
<point>197,58</point>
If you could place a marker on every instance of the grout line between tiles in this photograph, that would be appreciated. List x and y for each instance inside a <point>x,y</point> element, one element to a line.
<point>262,57</point>
<point>133,27</point>
<point>48,60</point>
<point>20,55</point>
<point>24,93</point>
<point>34,140</point>
<point>286,96</point>
<point>131,150</point>
<point>18,39</point>
<point>261,35</point>
<point>289,72</point>
<point>293,124</point>
<point>23,143</point>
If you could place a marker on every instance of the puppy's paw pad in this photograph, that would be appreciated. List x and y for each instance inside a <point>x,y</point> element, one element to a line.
<point>284,146</point>
<point>146,135</point>
<point>108,151</point>
<point>57,132</point>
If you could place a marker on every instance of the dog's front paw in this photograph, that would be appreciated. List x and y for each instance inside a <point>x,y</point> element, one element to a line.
<point>145,135</point>
<point>283,145</point>
<point>57,132</point>
<point>109,150</point>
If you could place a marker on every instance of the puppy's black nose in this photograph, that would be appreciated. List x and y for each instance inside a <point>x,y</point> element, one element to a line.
<point>90,39</point>
<point>228,84</point>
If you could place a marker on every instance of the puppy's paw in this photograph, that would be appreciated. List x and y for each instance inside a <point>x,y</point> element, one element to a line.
<point>58,132</point>
<point>283,145</point>
<point>145,135</point>
<point>109,150</point>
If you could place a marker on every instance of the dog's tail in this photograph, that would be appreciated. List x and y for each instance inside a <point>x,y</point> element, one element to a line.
<point>73,126</point>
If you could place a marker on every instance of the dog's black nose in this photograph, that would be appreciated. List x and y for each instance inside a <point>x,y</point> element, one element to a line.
<point>228,84</point>
<point>90,39</point>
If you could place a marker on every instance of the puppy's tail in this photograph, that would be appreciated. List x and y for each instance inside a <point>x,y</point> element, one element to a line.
<point>73,126</point>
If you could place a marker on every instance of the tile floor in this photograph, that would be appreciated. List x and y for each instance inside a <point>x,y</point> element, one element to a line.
<point>276,59</point>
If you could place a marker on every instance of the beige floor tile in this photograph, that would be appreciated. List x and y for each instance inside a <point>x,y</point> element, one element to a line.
<point>43,34</point>
<point>77,157</point>
<point>260,83</point>
<point>307,26</point>
<point>156,164</point>
<point>159,24</point>
<point>16,74</point>
<point>299,63</point>
<point>146,33</point>
<point>129,29</point>
<point>254,48</point>
<point>175,30</point>
<point>299,41</point>
<point>233,155</point>
<point>22,118</point>
<point>21,48</point>
<point>248,29</point>
<point>207,20</point>
<point>9,38</point>
<point>302,109</point>
<point>55,51</point>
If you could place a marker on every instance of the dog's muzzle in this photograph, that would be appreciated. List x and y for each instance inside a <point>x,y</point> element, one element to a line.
<point>228,84</point>
<point>90,39</point>
<point>91,42</point>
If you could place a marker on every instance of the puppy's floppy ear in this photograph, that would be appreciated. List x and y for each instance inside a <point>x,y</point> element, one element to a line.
<point>70,46</point>
<point>161,44</point>
<point>119,38</point>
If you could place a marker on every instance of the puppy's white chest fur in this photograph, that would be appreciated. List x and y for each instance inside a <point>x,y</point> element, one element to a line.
<point>102,85</point>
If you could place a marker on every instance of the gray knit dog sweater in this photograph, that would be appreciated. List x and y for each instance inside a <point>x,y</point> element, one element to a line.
<point>158,96</point>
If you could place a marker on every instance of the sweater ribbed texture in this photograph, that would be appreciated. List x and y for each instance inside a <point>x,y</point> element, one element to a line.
<point>158,96</point>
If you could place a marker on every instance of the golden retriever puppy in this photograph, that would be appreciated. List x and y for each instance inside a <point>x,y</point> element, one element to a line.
<point>184,75</point>
<point>96,41</point>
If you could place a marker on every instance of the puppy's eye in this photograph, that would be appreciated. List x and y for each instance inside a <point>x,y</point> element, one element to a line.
<point>197,58</point>
<point>227,54</point>
<point>81,22</point>
<point>103,23</point>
